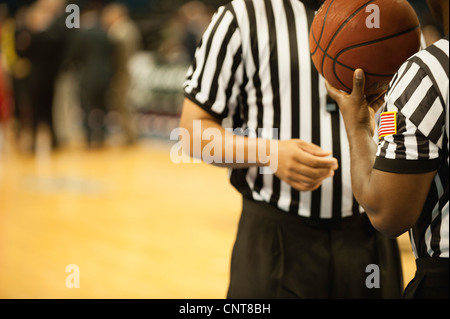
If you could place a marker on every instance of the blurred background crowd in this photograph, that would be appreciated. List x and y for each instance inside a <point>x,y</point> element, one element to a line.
<point>114,80</point>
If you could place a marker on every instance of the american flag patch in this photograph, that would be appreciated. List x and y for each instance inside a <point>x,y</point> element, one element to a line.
<point>388,124</point>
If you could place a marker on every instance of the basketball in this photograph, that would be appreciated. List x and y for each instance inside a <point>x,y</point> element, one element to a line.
<point>377,36</point>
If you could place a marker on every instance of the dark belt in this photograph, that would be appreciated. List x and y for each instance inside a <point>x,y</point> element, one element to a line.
<point>432,263</point>
<point>267,210</point>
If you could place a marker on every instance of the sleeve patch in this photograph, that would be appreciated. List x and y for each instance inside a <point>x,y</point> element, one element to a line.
<point>388,124</point>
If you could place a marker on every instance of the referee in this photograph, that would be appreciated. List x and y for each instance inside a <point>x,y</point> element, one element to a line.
<point>404,182</point>
<point>301,233</point>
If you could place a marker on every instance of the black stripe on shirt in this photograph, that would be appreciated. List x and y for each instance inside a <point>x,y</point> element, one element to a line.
<point>316,196</point>
<point>274,77</point>
<point>436,235</point>
<point>399,139</point>
<point>256,79</point>
<point>383,150</point>
<point>410,90</point>
<point>441,57</point>
<point>255,54</point>
<point>220,62</point>
<point>420,112</point>
<point>397,78</point>
<point>436,132</point>
<point>422,224</point>
<point>337,179</point>
<point>275,83</point>
<point>424,221</point>
<point>444,169</point>
<point>236,62</point>
<point>207,53</point>
<point>423,66</point>
<point>295,91</point>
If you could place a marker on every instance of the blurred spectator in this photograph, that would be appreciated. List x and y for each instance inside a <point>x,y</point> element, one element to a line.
<point>42,42</point>
<point>182,34</point>
<point>6,102</point>
<point>15,41</point>
<point>94,58</point>
<point>196,17</point>
<point>126,37</point>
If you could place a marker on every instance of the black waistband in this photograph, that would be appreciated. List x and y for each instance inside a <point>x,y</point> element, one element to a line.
<point>434,263</point>
<point>277,215</point>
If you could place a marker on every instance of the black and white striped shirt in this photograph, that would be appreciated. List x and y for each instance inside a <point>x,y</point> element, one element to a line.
<point>253,68</point>
<point>419,97</point>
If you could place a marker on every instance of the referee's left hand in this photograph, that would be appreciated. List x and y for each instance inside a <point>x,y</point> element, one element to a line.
<point>357,110</point>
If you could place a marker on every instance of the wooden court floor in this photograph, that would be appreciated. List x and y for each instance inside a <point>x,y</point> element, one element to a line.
<point>135,225</point>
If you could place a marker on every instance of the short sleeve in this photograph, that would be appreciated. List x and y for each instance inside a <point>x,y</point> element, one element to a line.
<point>411,125</point>
<point>214,79</point>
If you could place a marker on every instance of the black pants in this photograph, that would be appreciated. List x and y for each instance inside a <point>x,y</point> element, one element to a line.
<point>277,255</point>
<point>431,280</point>
<point>93,103</point>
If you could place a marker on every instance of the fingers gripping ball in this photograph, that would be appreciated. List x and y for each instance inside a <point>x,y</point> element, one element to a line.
<point>377,36</point>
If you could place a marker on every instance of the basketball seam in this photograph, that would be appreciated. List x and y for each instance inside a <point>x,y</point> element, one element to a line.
<point>321,32</point>
<point>350,68</point>
<point>340,29</point>
<point>363,44</point>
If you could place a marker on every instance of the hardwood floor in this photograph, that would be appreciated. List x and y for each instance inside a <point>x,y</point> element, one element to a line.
<point>134,224</point>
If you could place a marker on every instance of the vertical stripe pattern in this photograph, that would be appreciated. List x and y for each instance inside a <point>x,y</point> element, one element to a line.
<point>418,98</point>
<point>253,66</point>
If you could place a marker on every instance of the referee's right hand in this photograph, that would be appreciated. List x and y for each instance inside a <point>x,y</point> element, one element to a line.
<point>303,165</point>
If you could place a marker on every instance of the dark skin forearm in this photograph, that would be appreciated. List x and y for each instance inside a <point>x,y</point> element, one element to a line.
<point>392,201</point>
<point>362,158</point>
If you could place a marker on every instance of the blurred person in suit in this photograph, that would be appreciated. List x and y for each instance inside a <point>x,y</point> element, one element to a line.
<point>15,42</point>
<point>194,17</point>
<point>94,58</point>
<point>182,33</point>
<point>45,51</point>
<point>124,34</point>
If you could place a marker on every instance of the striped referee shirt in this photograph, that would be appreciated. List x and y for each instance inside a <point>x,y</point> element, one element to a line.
<point>417,141</point>
<point>253,69</point>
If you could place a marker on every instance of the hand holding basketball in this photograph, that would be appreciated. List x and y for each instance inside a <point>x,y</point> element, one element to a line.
<point>343,39</point>
<point>357,110</point>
